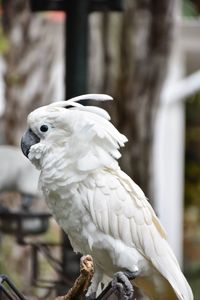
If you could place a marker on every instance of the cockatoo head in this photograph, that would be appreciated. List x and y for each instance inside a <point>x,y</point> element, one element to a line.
<point>69,129</point>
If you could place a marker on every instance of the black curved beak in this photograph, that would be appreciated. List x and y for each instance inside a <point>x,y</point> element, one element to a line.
<point>28,139</point>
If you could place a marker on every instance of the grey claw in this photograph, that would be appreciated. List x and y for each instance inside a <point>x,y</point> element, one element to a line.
<point>130,275</point>
<point>122,286</point>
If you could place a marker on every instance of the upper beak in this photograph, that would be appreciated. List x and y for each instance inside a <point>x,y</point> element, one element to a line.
<point>28,139</point>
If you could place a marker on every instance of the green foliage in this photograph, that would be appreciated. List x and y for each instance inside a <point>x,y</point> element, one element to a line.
<point>4,45</point>
<point>192,194</point>
<point>192,167</point>
<point>6,260</point>
<point>189,9</point>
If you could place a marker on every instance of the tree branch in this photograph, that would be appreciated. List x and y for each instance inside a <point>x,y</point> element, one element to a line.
<point>120,285</point>
<point>82,283</point>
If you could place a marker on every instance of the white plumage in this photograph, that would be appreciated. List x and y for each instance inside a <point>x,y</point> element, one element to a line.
<point>102,210</point>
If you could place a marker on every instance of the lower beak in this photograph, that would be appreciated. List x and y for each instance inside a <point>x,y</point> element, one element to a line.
<point>28,139</point>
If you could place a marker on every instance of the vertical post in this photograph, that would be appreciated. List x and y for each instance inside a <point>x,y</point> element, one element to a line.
<point>76,47</point>
<point>76,40</point>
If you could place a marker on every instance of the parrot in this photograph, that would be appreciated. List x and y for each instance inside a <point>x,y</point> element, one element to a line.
<point>102,210</point>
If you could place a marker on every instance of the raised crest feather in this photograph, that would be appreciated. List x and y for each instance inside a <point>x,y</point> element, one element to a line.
<point>73,102</point>
<point>95,97</point>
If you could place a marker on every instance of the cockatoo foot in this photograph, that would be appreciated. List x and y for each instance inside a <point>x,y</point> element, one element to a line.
<point>122,286</point>
<point>131,275</point>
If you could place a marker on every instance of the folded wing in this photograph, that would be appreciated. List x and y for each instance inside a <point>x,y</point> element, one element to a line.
<point>119,208</point>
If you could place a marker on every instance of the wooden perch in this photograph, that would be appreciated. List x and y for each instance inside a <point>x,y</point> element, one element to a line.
<point>120,285</point>
<point>82,283</point>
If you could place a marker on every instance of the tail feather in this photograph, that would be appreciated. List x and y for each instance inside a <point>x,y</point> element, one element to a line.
<point>169,268</point>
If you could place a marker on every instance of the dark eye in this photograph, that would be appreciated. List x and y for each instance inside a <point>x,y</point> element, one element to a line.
<point>44,128</point>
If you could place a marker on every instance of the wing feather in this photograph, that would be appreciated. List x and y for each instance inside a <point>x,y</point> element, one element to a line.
<point>114,225</point>
<point>124,229</point>
<point>119,208</point>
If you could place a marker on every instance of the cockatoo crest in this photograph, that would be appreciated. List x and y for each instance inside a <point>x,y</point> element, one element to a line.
<point>84,130</point>
<point>73,103</point>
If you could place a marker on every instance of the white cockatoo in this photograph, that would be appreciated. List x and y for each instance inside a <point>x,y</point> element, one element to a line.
<point>102,210</point>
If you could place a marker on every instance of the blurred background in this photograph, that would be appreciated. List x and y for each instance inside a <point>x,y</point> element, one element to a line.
<point>146,54</point>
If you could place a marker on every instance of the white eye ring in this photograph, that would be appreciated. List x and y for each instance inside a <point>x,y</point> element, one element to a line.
<point>44,128</point>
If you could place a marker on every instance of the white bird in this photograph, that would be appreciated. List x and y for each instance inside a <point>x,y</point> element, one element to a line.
<point>102,210</point>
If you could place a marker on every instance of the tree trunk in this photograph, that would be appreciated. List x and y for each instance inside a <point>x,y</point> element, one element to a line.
<point>33,47</point>
<point>135,61</point>
<point>146,42</point>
